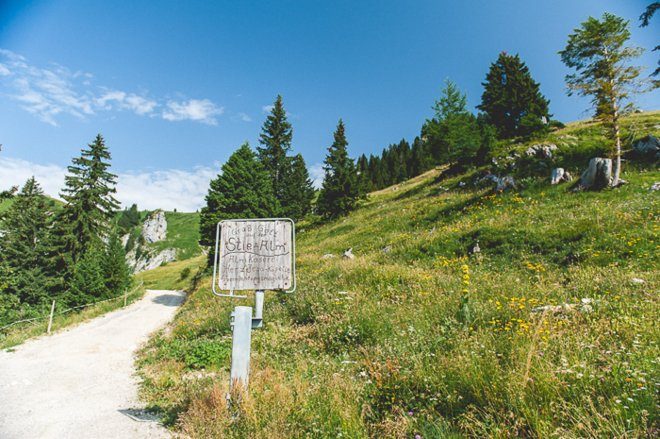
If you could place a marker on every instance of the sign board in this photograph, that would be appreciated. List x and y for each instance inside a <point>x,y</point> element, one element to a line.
<point>255,255</point>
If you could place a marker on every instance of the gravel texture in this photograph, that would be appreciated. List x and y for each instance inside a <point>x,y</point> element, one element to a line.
<point>80,382</point>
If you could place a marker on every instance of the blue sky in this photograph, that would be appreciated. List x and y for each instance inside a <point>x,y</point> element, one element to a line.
<point>177,87</point>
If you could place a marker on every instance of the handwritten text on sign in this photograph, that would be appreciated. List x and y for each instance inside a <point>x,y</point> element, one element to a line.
<point>255,255</point>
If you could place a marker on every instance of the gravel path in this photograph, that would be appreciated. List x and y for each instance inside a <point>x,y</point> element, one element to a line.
<point>80,383</point>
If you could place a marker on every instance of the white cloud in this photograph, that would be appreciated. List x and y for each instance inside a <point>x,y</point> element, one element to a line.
<point>170,189</point>
<point>17,171</point>
<point>267,108</point>
<point>200,110</point>
<point>51,92</point>
<point>316,173</point>
<point>244,117</point>
<point>125,101</point>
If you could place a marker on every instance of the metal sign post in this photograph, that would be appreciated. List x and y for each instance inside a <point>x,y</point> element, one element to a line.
<point>251,254</point>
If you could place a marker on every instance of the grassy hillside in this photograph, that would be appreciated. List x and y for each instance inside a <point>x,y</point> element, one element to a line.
<point>182,234</point>
<point>416,335</point>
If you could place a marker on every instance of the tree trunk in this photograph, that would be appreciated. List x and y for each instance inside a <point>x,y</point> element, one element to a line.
<point>617,138</point>
<point>617,134</point>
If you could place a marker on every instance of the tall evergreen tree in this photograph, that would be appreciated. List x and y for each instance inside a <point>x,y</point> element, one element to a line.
<point>601,59</point>
<point>298,194</point>
<point>115,269</point>
<point>87,283</point>
<point>452,135</point>
<point>26,228</point>
<point>512,99</point>
<point>275,139</point>
<point>90,206</point>
<point>340,191</point>
<point>242,190</point>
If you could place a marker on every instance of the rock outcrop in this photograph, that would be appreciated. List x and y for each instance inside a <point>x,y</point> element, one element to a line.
<point>598,174</point>
<point>154,228</point>
<point>150,259</point>
<point>558,175</point>
<point>541,150</point>
<point>647,147</point>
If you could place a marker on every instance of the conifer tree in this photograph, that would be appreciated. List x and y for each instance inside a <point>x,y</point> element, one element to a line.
<point>242,190</point>
<point>298,193</point>
<point>88,283</point>
<point>275,139</point>
<point>90,206</point>
<point>452,135</point>
<point>340,191</point>
<point>601,59</point>
<point>25,243</point>
<point>512,99</point>
<point>115,269</point>
<point>129,218</point>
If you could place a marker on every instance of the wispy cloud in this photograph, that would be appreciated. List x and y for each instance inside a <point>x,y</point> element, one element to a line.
<point>200,110</point>
<point>169,189</point>
<point>54,91</point>
<point>244,117</point>
<point>316,173</point>
<point>126,101</point>
<point>267,108</point>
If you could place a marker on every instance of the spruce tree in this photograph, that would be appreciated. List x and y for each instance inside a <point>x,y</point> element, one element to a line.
<point>25,243</point>
<point>452,135</point>
<point>90,206</point>
<point>340,191</point>
<point>275,139</point>
<point>115,269</point>
<point>512,99</point>
<point>298,194</point>
<point>242,190</point>
<point>87,283</point>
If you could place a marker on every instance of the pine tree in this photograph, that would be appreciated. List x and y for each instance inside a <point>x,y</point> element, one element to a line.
<point>512,100</point>
<point>129,218</point>
<point>275,138</point>
<point>598,53</point>
<point>90,206</point>
<point>242,190</point>
<point>115,269</point>
<point>25,243</point>
<point>340,191</point>
<point>452,135</point>
<point>88,283</point>
<point>298,194</point>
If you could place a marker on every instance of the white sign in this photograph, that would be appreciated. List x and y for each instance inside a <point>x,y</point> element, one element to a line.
<point>256,255</point>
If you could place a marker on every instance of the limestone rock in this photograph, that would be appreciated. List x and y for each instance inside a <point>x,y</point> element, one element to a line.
<point>348,254</point>
<point>327,256</point>
<point>598,174</point>
<point>154,228</point>
<point>648,146</point>
<point>541,150</point>
<point>501,183</point>
<point>150,260</point>
<point>505,183</point>
<point>558,175</point>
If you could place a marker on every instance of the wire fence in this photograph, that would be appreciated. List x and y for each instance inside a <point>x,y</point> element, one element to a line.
<point>53,314</point>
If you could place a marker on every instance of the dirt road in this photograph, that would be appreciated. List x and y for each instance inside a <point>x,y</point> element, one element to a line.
<point>80,383</point>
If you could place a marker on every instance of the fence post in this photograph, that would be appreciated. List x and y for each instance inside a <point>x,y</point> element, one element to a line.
<point>50,321</point>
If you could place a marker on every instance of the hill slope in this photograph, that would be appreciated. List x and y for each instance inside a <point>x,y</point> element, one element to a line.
<point>416,335</point>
